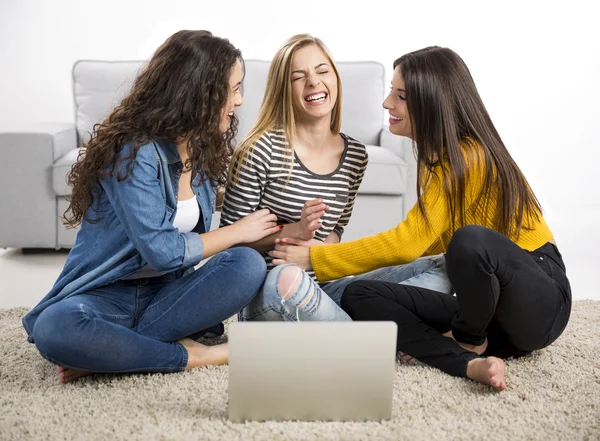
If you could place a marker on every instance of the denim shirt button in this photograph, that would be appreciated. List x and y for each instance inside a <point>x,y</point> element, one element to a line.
<point>541,258</point>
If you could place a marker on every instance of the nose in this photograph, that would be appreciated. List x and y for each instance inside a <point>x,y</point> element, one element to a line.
<point>387,103</point>
<point>313,80</point>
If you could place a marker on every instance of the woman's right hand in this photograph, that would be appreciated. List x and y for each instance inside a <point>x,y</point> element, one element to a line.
<point>255,226</point>
<point>310,218</point>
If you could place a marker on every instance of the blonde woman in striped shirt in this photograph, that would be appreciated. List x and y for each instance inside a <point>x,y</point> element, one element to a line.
<point>297,164</point>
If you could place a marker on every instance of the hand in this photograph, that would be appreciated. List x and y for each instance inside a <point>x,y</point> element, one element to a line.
<point>299,242</point>
<point>300,255</point>
<point>255,226</point>
<point>310,218</point>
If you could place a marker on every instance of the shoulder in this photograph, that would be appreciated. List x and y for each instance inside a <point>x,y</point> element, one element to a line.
<point>356,152</point>
<point>272,145</point>
<point>266,143</point>
<point>147,155</point>
<point>355,147</point>
<point>474,156</point>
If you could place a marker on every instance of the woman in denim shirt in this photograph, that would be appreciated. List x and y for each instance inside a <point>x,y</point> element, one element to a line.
<point>144,191</point>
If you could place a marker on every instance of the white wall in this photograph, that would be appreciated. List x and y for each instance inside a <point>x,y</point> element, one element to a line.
<point>536,65</point>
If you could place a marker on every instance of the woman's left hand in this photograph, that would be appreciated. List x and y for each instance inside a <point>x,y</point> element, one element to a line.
<point>289,250</point>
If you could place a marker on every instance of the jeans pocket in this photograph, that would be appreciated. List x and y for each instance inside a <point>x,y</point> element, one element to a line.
<point>543,261</point>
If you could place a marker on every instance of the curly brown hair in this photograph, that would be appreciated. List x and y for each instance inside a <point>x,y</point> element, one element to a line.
<point>181,92</point>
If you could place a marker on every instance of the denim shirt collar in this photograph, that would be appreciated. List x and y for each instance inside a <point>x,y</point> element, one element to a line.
<point>171,152</point>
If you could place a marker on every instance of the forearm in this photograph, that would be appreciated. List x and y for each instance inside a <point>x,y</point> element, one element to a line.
<point>332,238</point>
<point>369,253</point>
<point>219,240</point>
<point>268,243</point>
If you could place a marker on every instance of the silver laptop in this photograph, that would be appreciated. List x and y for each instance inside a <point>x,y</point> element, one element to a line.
<point>311,371</point>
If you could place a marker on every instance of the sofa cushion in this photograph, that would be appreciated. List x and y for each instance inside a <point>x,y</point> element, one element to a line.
<point>386,173</point>
<point>99,86</point>
<point>60,170</point>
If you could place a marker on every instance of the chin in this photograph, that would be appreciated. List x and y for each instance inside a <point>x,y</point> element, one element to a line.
<point>395,131</point>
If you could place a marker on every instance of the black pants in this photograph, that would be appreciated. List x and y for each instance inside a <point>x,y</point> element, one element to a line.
<point>520,301</point>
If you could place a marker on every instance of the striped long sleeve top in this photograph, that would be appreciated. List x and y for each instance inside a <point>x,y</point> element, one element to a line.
<point>265,181</point>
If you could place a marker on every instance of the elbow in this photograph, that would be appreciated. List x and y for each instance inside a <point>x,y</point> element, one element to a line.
<point>161,262</point>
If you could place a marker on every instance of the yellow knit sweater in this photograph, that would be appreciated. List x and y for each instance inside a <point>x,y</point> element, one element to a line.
<point>412,239</point>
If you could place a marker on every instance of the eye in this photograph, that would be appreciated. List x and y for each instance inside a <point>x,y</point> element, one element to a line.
<point>402,97</point>
<point>297,78</point>
<point>323,72</point>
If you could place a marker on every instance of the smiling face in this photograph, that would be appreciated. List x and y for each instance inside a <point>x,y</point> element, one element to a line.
<point>234,99</point>
<point>395,103</point>
<point>314,83</point>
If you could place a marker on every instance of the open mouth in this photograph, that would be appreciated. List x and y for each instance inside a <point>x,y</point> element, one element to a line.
<point>395,119</point>
<point>316,98</point>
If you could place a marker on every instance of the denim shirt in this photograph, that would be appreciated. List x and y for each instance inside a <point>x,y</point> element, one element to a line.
<point>135,226</point>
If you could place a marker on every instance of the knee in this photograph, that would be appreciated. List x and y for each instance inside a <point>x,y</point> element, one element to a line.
<point>50,331</point>
<point>283,281</point>
<point>288,281</point>
<point>467,241</point>
<point>354,294</point>
<point>251,266</point>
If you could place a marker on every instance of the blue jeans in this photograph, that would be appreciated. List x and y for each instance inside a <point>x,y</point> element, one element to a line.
<point>134,325</point>
<point>324,301</point>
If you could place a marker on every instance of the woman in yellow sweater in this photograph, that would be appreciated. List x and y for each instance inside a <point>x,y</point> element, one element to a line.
<point>512,293</point>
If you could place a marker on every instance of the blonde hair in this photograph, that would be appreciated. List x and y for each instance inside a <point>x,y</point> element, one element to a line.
<point>276,110</point>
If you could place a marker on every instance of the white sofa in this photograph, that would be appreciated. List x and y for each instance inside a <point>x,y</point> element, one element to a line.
<point>36,160</point>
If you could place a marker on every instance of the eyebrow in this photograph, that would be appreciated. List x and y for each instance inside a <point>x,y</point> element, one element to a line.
<point>398,89</point>
<point>316,67</point>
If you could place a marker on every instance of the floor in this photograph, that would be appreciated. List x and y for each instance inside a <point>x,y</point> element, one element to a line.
<point>26,278</point>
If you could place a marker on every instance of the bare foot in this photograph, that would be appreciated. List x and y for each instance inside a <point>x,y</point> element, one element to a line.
<point>490,370</point>
<point>406,357</point>
<point>478,349</point>
<point>67,375</point>
<point>201,355</point>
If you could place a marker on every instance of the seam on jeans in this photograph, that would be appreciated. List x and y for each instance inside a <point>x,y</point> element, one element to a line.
<point>185,355</point>
<point>119,316</point>
<point>182,295</point>
<point>279,311</point>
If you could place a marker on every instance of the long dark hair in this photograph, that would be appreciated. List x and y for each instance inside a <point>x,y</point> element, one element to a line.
<point>181,92</point>
<point>449,123</point>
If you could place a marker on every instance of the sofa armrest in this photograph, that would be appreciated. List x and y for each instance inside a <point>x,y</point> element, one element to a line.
<point>29,210</point>
<point>403,147</point>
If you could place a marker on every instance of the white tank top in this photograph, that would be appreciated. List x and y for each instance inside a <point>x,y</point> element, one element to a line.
<point>187,216</point>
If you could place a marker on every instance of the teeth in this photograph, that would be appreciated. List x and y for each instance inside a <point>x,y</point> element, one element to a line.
<point>395,118</point>
<point>230,114</point>
<point>316,97</point>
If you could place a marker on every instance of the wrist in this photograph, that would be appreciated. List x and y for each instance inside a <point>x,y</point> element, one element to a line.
<point>235,234</point>
<point>301,233</point>
<point>294,230</point>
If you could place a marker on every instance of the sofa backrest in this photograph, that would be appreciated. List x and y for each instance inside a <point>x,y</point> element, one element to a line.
<point>98,86</point>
